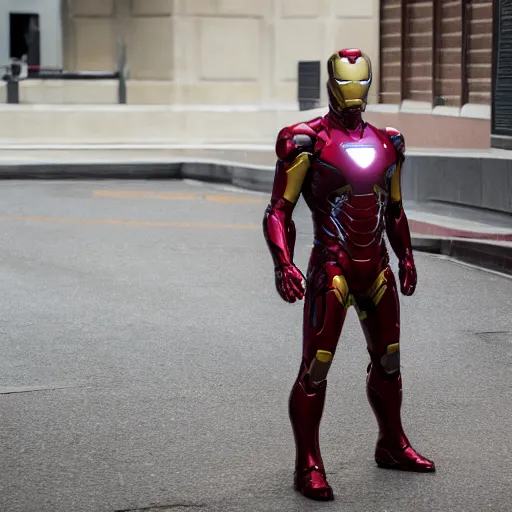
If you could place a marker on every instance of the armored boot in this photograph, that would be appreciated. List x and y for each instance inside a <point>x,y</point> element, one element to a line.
<point>393,450</point>
<point>306,408</point>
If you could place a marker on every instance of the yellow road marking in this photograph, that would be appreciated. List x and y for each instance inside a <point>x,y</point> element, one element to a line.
<point>134,223</point>
<point>150,194</point>
<point>233,199</point>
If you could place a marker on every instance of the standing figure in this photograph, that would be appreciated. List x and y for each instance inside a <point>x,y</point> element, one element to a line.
<point>348,172</point>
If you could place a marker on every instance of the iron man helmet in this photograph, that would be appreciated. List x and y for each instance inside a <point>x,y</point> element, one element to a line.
<point>350,77</point>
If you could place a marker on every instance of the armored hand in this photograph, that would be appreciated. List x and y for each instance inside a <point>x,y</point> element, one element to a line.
<point>397,227</point>
<point>289,283</point>
<point>279,232</point>
<point>407,275</point>
<point>293,149</point>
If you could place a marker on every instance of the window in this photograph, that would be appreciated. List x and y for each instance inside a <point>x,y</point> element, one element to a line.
<point>436,51</point>
<point>24,37</point>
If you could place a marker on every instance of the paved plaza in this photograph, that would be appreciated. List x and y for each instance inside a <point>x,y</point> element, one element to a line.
<point>147,359</point>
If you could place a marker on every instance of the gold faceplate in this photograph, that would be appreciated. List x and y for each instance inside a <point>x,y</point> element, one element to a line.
<point>349,82</point>
<point>345,71</point>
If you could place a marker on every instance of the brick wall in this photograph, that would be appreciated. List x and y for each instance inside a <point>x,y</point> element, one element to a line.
<point>436,51</point>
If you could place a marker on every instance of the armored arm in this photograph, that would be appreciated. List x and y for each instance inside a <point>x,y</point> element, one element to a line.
<point>293,148</point>
<point>397,227</point>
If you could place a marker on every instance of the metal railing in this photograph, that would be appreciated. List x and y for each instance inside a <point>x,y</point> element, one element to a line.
<point>18,70</point>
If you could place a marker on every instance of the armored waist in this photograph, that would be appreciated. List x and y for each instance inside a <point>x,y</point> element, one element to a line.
<point>356,222</point>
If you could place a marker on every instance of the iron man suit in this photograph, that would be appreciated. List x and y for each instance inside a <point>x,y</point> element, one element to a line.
<point>348,172</point>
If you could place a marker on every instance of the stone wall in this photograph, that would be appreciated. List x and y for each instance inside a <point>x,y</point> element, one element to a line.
<point>215,51</point>
<point>139,124</point>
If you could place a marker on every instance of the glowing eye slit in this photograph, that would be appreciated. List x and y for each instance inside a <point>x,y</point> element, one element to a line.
<point>347,82</point>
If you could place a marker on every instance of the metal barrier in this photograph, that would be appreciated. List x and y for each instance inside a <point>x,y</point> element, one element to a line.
<point>18,70</point>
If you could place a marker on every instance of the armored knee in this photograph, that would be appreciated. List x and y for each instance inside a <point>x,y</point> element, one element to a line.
<point>390,360</point>
<point>319,367</point>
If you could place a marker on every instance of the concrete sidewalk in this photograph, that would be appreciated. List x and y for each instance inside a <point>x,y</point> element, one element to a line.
<point>444,220</point>
<point>254,154</point>
<point>473,235</point>
<point>147,360</point>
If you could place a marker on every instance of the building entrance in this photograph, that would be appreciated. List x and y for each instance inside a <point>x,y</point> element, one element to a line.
<point>24,37</point>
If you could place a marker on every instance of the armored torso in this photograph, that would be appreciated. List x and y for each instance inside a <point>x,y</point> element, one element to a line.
<point>347,189</point>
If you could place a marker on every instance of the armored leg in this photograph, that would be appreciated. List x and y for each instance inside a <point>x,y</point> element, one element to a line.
<point>324,314</point>
<point>381,325</point>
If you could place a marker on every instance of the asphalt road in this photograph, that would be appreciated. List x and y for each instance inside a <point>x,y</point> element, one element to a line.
<point>146,361</point>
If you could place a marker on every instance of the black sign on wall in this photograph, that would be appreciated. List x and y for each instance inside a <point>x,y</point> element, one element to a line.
<point>309,84</point>
<point>501,119</point>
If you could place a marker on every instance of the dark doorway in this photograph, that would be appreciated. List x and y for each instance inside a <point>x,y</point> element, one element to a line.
<point>24,35</point>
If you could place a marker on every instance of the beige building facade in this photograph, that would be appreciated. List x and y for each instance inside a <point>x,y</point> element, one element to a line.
<point>225,71</point>
<point>215,52</point>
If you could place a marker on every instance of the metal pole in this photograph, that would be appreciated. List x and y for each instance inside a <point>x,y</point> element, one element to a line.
<point>122,75</point>
<point>123,18</point>
<point>13,91</point>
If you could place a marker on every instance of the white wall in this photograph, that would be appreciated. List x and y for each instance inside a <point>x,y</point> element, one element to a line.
<point>49,25</point>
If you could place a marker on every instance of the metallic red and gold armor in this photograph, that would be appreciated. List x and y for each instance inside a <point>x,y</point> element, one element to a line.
<point>349,174</point>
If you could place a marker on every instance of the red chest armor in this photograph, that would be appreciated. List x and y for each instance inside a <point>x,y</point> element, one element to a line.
<point>347,190</point>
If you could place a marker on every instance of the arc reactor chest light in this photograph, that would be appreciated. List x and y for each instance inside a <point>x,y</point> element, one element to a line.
<point>362,156</point>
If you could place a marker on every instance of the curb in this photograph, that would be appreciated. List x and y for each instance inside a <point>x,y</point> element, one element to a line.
<point>250,177</point>
<point>48,171</point>
<point>487,255</point>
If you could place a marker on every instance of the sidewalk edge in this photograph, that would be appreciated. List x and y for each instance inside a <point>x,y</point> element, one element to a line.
<point>476,252</point>
<point>248,176</point>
